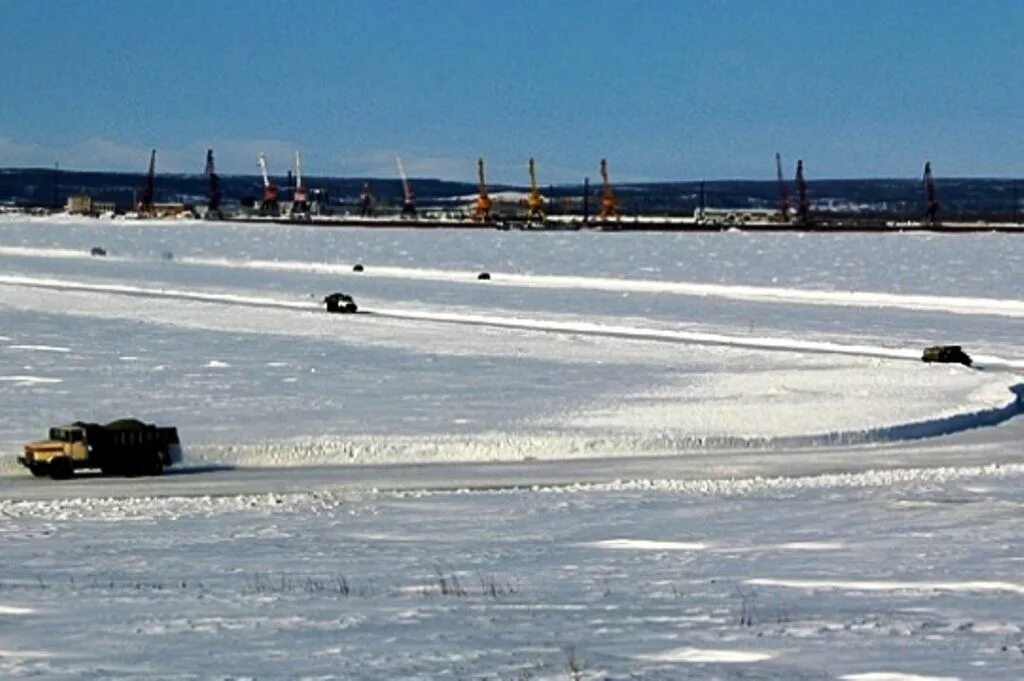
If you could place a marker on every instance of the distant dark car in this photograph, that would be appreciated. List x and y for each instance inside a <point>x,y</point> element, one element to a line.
<point>340,302</point>
<point>946,354</point>
<point>97,250</point>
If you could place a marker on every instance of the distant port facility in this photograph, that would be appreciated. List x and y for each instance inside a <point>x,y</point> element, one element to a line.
<point>696,206</point>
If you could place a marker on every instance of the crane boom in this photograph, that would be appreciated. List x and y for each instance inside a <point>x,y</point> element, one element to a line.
<point>480,177</point>
<point>406,191</point>
<point>783,194</point>
<point>263,170</point>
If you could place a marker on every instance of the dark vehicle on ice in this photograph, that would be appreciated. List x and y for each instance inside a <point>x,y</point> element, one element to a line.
<point>340,302</point>
<point>123,447</point>
<point>946,354</point>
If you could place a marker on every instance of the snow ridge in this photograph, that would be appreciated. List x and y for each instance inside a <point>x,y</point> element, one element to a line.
<point>390,449</point>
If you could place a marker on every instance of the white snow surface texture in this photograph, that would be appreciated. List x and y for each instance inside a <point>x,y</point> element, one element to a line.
<point>622,456</point>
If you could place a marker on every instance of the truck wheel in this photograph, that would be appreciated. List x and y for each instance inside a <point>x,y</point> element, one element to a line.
<point>40,471</point>
<point>154,465</point>
<point>61,468</point>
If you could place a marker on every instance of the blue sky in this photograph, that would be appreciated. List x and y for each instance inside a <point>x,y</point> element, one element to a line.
<point>664,89</point>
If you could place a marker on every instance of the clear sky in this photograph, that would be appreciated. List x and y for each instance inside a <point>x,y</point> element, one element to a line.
<point>666,89</point>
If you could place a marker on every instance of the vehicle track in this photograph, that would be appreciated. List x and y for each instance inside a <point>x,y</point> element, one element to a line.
<point>761,294</point>
<point>783,344</point>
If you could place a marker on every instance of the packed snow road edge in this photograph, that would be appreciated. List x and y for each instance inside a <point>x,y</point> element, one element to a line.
<point>389,449</point>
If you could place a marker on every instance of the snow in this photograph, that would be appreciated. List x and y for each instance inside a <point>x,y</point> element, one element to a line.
<point>39,348</point>
<point>697,655</point>
<point>29,380</point>
<point>1007,587</point>
<point>624,456</point>
<point>895,676</point>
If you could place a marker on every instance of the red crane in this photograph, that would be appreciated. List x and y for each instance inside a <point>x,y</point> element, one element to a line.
<point>931,213</point>
<point>269,206</point>
<point>783,194</point>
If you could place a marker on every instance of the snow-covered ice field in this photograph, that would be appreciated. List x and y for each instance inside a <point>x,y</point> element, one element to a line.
<point>636,455</point>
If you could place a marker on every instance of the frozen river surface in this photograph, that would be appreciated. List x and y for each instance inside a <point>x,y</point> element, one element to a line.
<point>623,456</point>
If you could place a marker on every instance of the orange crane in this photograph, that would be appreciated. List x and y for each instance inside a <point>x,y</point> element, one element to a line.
<point>534,202</point>
<point>482,210</point>
<point>609,205</point>
<point>300,198</point>
<point>269,206</point>
<point>783,194</point>
<point>408,199</point>
<point>931,213</point>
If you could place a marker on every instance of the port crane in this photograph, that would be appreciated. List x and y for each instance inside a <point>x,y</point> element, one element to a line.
<point>269,206</point>
<point>482,209</point>
<point>783,194</point>
<point>300,197</point>
<point>213,201</point>
<point>609,204</point>
<point>803,210</point>
<point>408,198</point>
<point>366,201</point>
<point>534,202</point>
<point>145,206</point>
<point>931,213</point>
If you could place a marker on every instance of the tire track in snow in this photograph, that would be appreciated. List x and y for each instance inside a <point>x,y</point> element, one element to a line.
<point>514,323</point>
<point>761,294</point>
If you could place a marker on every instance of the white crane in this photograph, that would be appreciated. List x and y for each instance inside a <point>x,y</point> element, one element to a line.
<point>263,169</point>
<point>300,199</point>
<point>409,200</point>
<point>269,206</point>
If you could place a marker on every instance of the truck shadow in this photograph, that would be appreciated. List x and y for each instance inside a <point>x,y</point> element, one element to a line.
<point>168,473</point>
<point>199,469</point>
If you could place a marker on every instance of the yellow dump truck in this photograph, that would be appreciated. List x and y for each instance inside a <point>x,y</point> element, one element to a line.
<point>123,447</point>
